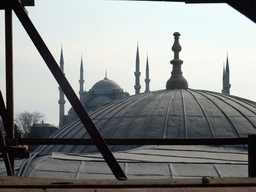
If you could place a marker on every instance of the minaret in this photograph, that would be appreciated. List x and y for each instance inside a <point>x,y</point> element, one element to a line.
<point>223,78</point>
<point>61,100</point>
<point>81,81</point>
<point>227,77</point>
<point>137,73</point>
<point>177,81</point>
<point>226,83</point>
<point>147,80</point>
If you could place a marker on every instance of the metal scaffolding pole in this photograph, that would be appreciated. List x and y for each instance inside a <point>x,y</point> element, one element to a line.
<point>9,77</point>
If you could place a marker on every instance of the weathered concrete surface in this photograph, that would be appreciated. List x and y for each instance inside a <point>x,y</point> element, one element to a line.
<point>175,185</point>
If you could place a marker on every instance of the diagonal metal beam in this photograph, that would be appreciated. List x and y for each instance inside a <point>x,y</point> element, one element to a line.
<point>246,7</point>
<point>67,89</point>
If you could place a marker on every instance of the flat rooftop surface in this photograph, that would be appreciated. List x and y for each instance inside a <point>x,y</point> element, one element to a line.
<point>145,162</point>
<point>176,185</point>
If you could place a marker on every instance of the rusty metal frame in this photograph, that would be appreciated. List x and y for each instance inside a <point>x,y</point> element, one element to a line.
<point>8,143</point>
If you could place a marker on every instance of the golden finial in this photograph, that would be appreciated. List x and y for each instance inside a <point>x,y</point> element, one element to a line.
<point>106,75</point>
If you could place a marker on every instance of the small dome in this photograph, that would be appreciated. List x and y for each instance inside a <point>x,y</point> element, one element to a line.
<point>106,84</point>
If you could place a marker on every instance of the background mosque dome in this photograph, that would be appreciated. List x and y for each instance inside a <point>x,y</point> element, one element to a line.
<point>101,93</point>
<point>106,84</point>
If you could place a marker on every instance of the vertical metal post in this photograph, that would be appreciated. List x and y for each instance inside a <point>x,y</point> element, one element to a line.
<point>252,155</point>
<point>9,76</point>
<point>9,69</point>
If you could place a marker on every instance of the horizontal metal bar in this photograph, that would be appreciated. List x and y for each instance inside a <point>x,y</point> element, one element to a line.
<point>11,142</point>
<point>196,141</point>
<point>27,154</point>
<point>13,150</point>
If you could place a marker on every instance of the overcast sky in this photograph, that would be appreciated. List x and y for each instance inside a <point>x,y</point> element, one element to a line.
<point>106,34</point>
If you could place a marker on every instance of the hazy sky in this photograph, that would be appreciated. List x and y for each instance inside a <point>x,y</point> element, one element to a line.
<point>106,34</point>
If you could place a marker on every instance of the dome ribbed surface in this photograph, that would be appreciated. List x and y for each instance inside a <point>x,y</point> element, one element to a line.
<point>183,113</point>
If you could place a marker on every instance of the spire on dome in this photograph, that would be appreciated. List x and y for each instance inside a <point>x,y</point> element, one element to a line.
<point>177,81</point>
<point>106,75</point>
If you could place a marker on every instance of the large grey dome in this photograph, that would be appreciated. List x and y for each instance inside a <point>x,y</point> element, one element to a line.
<point>179,113</point>
<point>105,84</point>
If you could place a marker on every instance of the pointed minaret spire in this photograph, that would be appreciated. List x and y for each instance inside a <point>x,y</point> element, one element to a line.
<point>137,72</point>
<point>61,100</point>
<point>177,81</point>
<point>227,70</point>
<point>147,80</point>
<point>61,60</point>
<point>81,81</point>
<point>226,82</point>
<point>223,78</point>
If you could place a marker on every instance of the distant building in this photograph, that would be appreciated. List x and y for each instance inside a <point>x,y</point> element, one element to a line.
<point>102,92</point>
<point>41,130</point>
